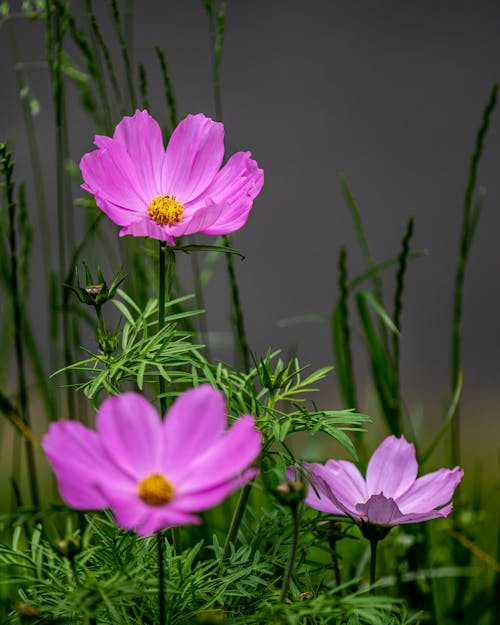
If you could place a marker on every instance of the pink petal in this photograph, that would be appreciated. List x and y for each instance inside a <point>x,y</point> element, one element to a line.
<point>164,518</point>
<point>199,220</point>
<point>346,482</point>
<point>193,157</point>
<point>380,510</point>
<point>131,513</point>
<point>142,139</point>
<point>111,174</point>
<point>130,430</point>
<point>322,483</point>
<point>224,459</point>
<point>119,215</point>
<point>80,464</point>
<point>208,498</point>
<point>236,186</point>
<point>430,491</point>
<point>392,469</point>
<point>426,516</point>
<point>195,421</point>
<point>315,498</point>
<point>146,227</point>
<point>190,224</point>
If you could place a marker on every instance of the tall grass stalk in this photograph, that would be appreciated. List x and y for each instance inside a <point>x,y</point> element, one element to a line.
<point>54,43</point>
<point>216,21</point>
<point>470,216</point>
<point>7,167</point>
<point>124,47</point>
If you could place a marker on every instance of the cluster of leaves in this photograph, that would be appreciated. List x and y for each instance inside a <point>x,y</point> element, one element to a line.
<point>98,573</point>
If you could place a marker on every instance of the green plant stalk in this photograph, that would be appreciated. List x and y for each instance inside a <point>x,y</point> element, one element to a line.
<point>200,304</point>
<point>91,54</point>
<point>216,21</point>
<point>469,222</point>
<point>166,271</point>
<point>124,47</point>
<point>237,518</point>
<point>373,561</point>
<point>34,156</point>
<point>162,296</point>
<point>216,25</point>
<point>17,311</point>
<point>108,62</point>
<point>54,60</point>
<point>161,580</point>
<point>293,555</point>
<point>237,313</point>
<point>365,248</point>
<point>341,336</point>
<point>398,308</point>
<point>169,90</point>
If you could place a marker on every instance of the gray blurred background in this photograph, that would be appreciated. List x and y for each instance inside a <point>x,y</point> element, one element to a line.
<point>388,92</point>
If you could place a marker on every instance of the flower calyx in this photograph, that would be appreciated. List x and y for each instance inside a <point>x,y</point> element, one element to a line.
<point>95,292</point>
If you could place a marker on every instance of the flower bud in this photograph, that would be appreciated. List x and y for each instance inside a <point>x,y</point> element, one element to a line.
<point>95,292</point>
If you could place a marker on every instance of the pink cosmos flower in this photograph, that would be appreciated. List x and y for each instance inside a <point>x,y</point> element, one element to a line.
<point>158,193</point>
<point>390,495</point>
<point>152,473</point>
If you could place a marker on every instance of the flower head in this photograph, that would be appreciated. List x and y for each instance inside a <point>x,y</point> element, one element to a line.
<point>164,194</point>
<point>152,473</point>
<point>390,495</point>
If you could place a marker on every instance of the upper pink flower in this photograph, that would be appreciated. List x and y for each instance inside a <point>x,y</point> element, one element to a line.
<point>164,194</point>
<point>390,495</point>
<point>152,473</point>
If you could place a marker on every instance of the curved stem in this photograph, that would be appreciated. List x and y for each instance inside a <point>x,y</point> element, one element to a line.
<point>237,517</point>
<point>292,557</point>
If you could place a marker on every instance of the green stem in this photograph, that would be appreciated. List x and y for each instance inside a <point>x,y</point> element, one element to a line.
<point>166,273</point>
<point>17,311</point>
<point>237,517</point>
<point>161,317</point>
<point>237,314</point>
<point>373,561</point>
<point>216,21</point>
<point>469,222</point>
<point>161,580</point>
<point>292,557</point>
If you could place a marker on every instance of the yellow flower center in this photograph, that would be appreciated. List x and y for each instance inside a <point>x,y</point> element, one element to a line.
<point>155,490</point>
<point>165,210</point>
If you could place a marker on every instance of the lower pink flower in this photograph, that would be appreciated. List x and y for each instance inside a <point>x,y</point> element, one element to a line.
<point>151,473</point>
<point>390,495</point>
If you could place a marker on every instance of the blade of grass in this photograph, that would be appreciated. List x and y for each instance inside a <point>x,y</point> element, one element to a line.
<point>341,337</point>
<point>469,223</point>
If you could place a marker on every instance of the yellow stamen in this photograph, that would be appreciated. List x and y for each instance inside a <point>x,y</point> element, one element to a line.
<point>165,210</point>
<point>155,489</point>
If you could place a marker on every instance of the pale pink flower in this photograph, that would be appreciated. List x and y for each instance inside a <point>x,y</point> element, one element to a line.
<point>390,495</point>
<point>151,473</point>
<point>163,194</point>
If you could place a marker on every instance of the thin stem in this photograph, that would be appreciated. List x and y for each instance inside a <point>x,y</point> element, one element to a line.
<point>161,317</point>
<point>293,555</point>
<point>335,561</point>
<point>237,314</point>
<point>373,561</point>
<point>166,278</point>
<point>200,304</point>
<point>216,21</point>
<point>17,311</point>
<point>469,222</point>
<point>166,259</point>
<point>237,517</point>
<point>161,580</point>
